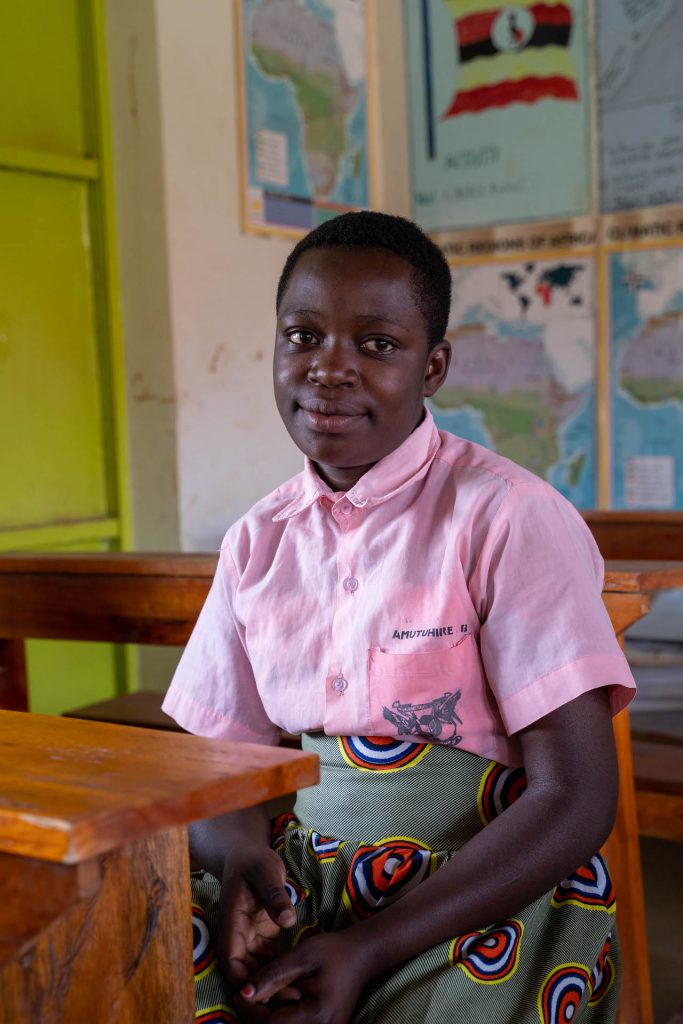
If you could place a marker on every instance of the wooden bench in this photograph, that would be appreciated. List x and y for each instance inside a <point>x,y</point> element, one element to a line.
<point>95,921</point>
<point>156,599</point>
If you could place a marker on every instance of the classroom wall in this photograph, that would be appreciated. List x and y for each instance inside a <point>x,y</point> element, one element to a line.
<point>205,438</point>
<point>143,273</point>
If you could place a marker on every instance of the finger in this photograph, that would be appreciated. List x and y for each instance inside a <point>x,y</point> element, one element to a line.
<point>253,1014</point>
<point>274,977</point>
<point>267,880</point>
<point>289,994</point>
<point>240,968</point>
<point>297,1013</point>
<point>247,937</point>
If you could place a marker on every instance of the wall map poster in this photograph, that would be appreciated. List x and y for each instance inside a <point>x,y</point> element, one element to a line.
<point>303,66</point>
<point>522,377</point>
<point>499,111</point>
<point>646,340</point>
<point>640,88</point>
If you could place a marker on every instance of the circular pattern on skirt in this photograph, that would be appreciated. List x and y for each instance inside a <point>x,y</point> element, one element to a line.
<point>279,826</point>
<point>381,753</point>
<point>295,892</point>
<point>379,874</point>
<point>203,955</point>
<point>489,956</point>
<point>589,887</point>
<point>561,993</point>
<point>603,974</point>
<point>499,787</point>
<point>324,848</point>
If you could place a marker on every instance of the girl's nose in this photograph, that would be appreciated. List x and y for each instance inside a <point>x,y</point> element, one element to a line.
<point>333,364</point>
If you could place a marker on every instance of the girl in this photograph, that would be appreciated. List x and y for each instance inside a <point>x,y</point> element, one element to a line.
<point>428,616</point>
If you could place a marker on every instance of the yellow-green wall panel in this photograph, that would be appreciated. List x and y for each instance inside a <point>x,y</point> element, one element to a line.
<point>62,415</point>
<point>41,76</point>
<point>54,444</point>
<point>66,675</point>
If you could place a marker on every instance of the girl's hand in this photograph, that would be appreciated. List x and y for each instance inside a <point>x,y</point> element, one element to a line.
<point>326,970</point>
<point>254,907</point>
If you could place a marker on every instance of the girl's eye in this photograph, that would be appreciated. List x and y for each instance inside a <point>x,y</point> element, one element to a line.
<point>379,345</point>
<point>300,337</point>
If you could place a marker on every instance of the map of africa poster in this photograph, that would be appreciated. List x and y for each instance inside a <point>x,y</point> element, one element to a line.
<point>522,377</point>
<point>646,355</point>
<point>499,111</point>
<point>303,65</point>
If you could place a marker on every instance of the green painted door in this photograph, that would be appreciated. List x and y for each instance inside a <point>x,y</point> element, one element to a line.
<point>62,464</point>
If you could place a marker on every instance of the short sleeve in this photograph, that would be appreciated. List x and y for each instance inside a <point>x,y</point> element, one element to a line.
<point>213,692</point>
<point>546,636</point>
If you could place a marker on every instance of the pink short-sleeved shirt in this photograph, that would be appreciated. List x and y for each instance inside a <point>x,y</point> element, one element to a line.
<point>449,596</point>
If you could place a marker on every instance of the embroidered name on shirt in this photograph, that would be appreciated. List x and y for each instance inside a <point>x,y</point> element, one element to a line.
<point>410,634</point>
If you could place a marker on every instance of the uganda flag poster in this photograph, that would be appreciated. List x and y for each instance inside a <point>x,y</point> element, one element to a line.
<point>500,102</point>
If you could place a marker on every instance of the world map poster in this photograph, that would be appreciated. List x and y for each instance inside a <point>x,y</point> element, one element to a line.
<point>303,65</point>
<point>522,376</point>
<point>499,109</point>
<point>646,355</point>
<point>640,88</point>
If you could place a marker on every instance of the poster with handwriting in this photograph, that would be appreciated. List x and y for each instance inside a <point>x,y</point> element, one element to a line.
<point>640,89</point>
<point>499,107</point>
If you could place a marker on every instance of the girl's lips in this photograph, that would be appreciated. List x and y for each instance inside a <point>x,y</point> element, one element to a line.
<point>330,423</point>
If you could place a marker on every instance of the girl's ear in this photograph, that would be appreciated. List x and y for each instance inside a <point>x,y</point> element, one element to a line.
<point>437,367</point>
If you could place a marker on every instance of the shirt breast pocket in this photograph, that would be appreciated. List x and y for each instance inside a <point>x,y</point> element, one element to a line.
<point>420,696</point>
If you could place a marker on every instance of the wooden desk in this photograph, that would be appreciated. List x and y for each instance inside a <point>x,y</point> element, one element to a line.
<point>117,597</point>
<point>95,911</point>
<point>637,534</point>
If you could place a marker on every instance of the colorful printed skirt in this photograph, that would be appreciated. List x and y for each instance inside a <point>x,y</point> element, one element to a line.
<point>385,816</point>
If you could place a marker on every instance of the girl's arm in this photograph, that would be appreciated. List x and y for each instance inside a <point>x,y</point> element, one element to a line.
<point>560,821</point>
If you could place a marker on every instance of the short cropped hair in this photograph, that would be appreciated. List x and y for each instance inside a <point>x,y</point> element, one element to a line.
<point>431,277</point>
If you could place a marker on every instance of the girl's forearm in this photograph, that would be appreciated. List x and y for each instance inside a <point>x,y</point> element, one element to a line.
<point>500,871</point>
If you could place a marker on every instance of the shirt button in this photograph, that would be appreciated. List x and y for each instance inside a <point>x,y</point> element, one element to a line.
<point>350,584</point>
<point>346,508</point>
<point>339,684</point>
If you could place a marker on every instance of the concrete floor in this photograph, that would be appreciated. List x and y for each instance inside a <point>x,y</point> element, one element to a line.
<point>663,883</point>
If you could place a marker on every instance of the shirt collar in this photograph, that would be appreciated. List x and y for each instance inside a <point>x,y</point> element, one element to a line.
<point>406,464</point>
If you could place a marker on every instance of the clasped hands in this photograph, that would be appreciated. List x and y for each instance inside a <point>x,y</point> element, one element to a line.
<point>317,982</point>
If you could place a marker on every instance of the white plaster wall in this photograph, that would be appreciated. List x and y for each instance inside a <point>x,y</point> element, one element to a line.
<point>143,273</point>
<point>200,320</point>
<point>231,446</point>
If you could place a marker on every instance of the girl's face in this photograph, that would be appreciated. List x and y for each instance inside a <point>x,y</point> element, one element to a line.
<point>352,365</point>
